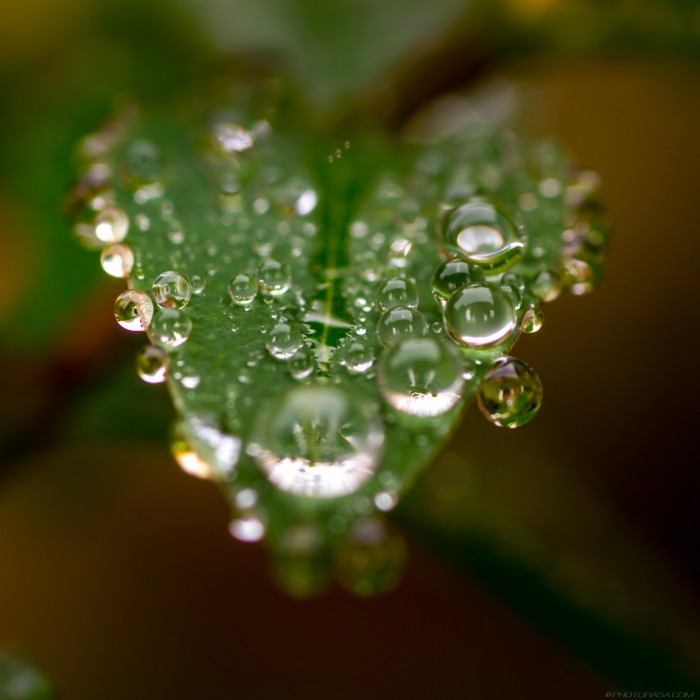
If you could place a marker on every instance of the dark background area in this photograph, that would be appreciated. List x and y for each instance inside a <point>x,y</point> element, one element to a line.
<point>559,560</point>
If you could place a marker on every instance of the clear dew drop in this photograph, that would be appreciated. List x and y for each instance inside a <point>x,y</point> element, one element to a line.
<point>117,260</point>
<point>421,376</point>
<point>372,558</point>
<point>171,290</point>
<point>274,277</point>
<point>301,364</point>
<point>452,275</point>
<point>133,310</point>
<point>143,163</point>
<point>247,528</point>
<point>479,316</point>
<point>111,225</point>
<point>283,340</point>
<point>547,286</point>
<point>152,364</point>
<point>198,283</point>
<point>400,323</point>
<point>318,441</point>
<point>171,327</point>
<point>397,292</point>
<point>243,289</point>
<point>231,138</point>
<point>356,356</point>
<point>533,318</point>
<point>485,234</point>
<point>299,562</point>
<point>510,394</point>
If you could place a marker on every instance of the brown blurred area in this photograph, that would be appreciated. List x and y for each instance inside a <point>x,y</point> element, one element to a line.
<point>559,560</point>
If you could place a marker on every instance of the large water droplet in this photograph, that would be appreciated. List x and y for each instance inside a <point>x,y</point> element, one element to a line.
<point>479,316</point>
<point>117,260</point>
<point>372,558</point>
<point>152,364</point>
<point>547,285</point>
<point>452,275</point>
<point>133,310</point>
<point>485,235</point>
<point>171,327</point>
<point>274,277</point>
<point>301,363</point>
<point>317,441</point>
<point>400,323</point>
<point>283,340</point>
<point>397,292</point>
<point>421,376</point>
<point>511,393</point>
<point>171,290</point>
<point>111,225</point>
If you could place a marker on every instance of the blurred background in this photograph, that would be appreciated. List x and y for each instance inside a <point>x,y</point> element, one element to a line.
<point>559,560</point>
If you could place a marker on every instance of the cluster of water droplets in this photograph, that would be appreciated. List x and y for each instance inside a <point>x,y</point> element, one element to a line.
<point>446,266</point>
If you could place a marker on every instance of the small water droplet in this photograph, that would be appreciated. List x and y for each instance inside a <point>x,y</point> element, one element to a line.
<point>385,501</point>
<point>171,327</point>
<point>274,277</point>
<point>111,225</point>
<point>532,320</point>
<point>400,323</point>
<point>479,316</point>
<point>485,235</point>
<point>356,356</point>
<point>283,340</point>
<point>171,290</point>
<point>117,260</point>
<point>231,138</point>
<point>301,363</point>
<point>306,202</point>
<point>452,275</point>
<point>176,237</point>
<point>421,376</point>
<point>372,559</point>
<point>317,441</point>
<point>247,528</point>
<point>243,289</point>
<point>152,364</point>
<point>198,283</point>
<point>143,164</point>
<point>133,310</point>
<point>547,285</point>
<point>511,393</point>
<point>397,292</point>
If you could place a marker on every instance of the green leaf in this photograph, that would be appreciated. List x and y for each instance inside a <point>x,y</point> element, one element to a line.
<point>310,392</point>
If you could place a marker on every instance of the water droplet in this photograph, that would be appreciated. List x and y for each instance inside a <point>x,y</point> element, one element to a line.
<point>117,260</point>
<point>133,310</point>
<point>547,285</point>
<point>306,202</point>
<point>143,163</point>
<point>247,528</point>
<point>357,357</point>
<point>372,558</point>
<point>400,323</point>
<point>385,501</point>
<point>152,364</point>
<point>578,276</point>
<point>198,283</point>
<point>532,320</point>
<point>171,327</point>
<point>397,292</point>
<point>317,441</point>
<point>274,277</point>
<point>421,376</point>
<point>479,316</point>
<point>171,290</point>
<point>301,363</point>
<point>243,289</point>
<point>299,562</point>
<point>202,449</point>
<point>283,340</point>
<point>111,225</point>
<point>511,393</point>
<point>485,235</point>
<point>452,275</point>
<point>232,138</point>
